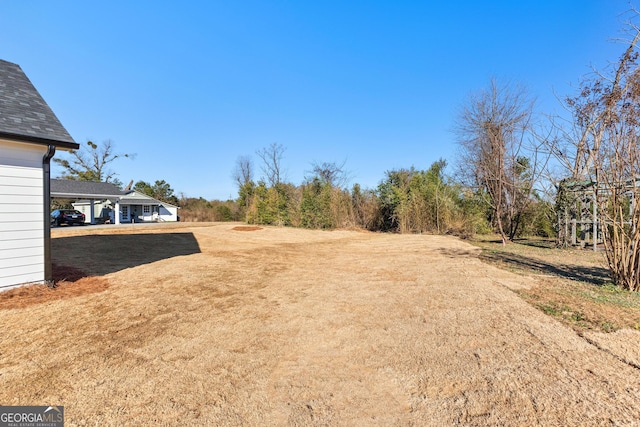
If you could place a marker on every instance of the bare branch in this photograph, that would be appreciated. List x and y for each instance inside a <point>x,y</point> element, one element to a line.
<point>91,161</point>
<point>330,172</point>
<point>271,157</point>
<point>243,172</point>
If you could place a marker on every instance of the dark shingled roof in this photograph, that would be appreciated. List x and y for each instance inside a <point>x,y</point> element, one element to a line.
<point>24,115</point>
<point>66,188</point>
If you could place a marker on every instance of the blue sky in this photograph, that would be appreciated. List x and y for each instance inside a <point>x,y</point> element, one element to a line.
<point>190,86</point>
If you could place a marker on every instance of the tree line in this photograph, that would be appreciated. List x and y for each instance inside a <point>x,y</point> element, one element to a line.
<point>406,200</point>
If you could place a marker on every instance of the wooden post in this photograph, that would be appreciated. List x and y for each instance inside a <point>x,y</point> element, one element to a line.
<point>595,223</point>
<point>565,238</point>
<point>584,231</point>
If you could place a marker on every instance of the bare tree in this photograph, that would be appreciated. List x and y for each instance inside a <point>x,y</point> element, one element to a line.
<point>91,161</point>
<point>600,149</point>
<point>243,176</point>
<point>331,173</point>
<point>497,156</point>
<point>243,172</point>
<point>271,157</point>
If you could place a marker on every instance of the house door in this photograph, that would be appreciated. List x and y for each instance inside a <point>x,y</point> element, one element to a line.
<point>124,216</point>
<point>146,213</point>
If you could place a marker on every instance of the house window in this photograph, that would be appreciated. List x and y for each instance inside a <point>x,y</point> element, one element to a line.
<point>146,209</point>
<point>125,211</point>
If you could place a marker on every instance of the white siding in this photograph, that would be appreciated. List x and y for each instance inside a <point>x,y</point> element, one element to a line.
<point>168,213</point>
<point>21,214</point>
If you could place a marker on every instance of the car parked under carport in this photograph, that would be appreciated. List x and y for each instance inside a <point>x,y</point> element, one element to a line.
<point>67,216</point>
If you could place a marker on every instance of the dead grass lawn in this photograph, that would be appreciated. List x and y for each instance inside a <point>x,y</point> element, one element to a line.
<point>207,325</point>
<point>573,285</point>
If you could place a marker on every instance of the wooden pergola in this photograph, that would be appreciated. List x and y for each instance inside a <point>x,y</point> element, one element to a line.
<point>579,219</point>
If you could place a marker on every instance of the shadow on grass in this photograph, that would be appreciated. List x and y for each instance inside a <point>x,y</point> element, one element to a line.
<point>537,243</point>
<point>107,253</point>
<point>459,253</point>
<point>595,275</point>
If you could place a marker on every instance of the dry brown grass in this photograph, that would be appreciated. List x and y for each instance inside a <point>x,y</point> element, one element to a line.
<point>573,285</point>
<point>208,326</point>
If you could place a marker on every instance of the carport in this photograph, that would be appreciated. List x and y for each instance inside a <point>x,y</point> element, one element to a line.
<point>69,189</point>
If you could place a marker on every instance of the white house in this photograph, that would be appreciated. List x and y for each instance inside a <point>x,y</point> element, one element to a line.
<point>133,207</point>
<point>30,133</point>
<point>139,207</point>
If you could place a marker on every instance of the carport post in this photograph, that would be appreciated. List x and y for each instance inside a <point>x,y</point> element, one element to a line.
<point>92,214</point>
<point>116,213</point>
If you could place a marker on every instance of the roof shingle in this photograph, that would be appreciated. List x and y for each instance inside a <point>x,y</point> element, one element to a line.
<point>74,189</point>
<point>24,114</point>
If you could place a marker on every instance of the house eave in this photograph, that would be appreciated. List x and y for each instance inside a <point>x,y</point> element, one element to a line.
<point>64,145</point>
<point>85,196</point>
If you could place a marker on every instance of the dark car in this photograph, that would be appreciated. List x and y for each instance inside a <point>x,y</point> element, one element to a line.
<point>67,216</point>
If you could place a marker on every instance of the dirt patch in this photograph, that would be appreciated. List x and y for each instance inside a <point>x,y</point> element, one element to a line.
<point>246,228</point>
<point>298,327</point>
